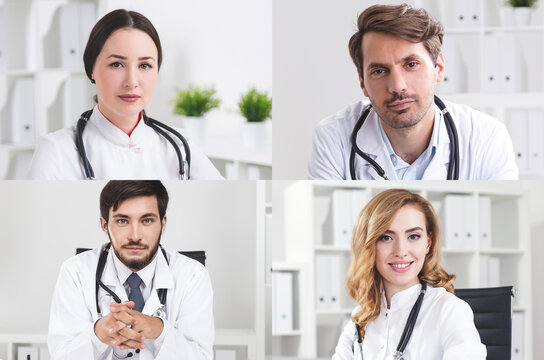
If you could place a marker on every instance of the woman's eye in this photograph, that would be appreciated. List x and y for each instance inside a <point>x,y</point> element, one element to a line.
<point>146,66</point>
<point>116,64</point>
<point>385,238</point>
<point>414,236</point>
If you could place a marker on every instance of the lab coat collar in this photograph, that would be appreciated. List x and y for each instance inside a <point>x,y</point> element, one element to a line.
<point>115,135</point>
<point>402,300</point>
<point>163,280</point>
<point>146,274</point>
<point>374,147</point>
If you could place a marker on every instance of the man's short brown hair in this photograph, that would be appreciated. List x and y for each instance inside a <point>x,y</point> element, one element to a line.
<point>404,21</point>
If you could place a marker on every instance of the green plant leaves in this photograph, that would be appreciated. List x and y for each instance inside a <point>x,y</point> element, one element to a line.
<point>195,101</point>
<point>255,106</point>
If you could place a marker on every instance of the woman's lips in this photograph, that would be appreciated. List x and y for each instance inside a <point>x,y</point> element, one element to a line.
<point>401,266</point>
<point>129,97</point>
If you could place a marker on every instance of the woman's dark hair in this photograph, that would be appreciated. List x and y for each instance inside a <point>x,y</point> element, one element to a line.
<point>115,20</point>
<point>117,191</point>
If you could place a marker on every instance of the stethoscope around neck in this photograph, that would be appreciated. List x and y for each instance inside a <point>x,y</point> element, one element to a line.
<point>453,166</point>
<point>408,328</point>
<point>160,128</point>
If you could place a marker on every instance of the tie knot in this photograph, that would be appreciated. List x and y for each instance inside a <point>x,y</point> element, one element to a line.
<point>134,281</point>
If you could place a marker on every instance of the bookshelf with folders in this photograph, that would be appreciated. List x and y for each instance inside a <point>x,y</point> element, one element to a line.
<point>42,84</point>
<point>494,64</point>
<point>485,243</point>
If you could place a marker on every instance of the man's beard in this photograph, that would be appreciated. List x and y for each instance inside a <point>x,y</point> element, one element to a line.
<point>136,264</point>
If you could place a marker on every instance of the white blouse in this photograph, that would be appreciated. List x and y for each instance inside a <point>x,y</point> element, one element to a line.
<point>444,329</point>
<point>115,155</point>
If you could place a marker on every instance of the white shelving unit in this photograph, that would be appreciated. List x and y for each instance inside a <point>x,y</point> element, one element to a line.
<point>495,66</point>
<point>40,87</point>
<point>307,205</point>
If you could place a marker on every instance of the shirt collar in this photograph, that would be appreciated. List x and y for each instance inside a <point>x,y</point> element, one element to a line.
<point>146,274</point>
<point>114,134</point>
<point>403,299</point>
<point>425,157</point>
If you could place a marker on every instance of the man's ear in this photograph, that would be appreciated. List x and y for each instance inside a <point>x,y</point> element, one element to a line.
<point>441,67</point>
<point>104,225</point>
<point>163,222</point>
<point>362,84</point>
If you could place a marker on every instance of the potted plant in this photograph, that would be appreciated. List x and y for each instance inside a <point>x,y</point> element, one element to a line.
<point>256,107</point>
<point>522,11</point>
<point>193,103</point>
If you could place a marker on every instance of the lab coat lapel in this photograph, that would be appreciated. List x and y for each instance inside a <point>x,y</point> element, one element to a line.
<point>162,279</point>
<point>370,141</point>
<point>110,279</point>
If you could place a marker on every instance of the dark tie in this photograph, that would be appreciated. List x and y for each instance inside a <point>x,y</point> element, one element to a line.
<point>134,282</point>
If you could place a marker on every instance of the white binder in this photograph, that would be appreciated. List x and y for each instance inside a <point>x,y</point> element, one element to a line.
<point>484,268</point>
<point>27,353</point>
<point>87,19</point>
<point>70,49</point>
<point>468,211</point>
<point>516,123</point>
<point>461,11</point>
<point>509,65</point>
<point>323,277</point>
<point>517,335</point>
<point>337,281</point>
<point>23,111</point>
<point>74,98</point>
<point>474,13</point>
<point>484,209</point>
<point>491,58</point>
<point>282,302</point>
<point>341,218</point>
<point>535,125</point>
<point>359,198</point>
<point>493,271</point>
<point>452,218</point>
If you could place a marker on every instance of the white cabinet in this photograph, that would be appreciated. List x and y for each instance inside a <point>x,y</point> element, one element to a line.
<point>485,242</point>
<point>495,66</point>
<point>43,87</point>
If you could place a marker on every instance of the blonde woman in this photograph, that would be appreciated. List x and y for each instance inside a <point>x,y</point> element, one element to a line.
<point>407,309</point>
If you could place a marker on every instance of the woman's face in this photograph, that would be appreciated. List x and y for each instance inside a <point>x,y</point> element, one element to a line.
<point>125,73</point>
<point>401,250</point>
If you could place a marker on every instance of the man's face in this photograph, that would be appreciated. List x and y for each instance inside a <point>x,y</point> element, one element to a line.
<point>135,230</point>
<point>399,77</point>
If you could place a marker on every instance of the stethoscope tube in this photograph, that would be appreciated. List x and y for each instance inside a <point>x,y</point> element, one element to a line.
<point>162,293</point>
<point>184,165</point>
<point>408,328</point>
<point>453,166</point>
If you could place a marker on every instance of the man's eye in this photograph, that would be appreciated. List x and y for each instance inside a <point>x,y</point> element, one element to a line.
<point>412,64</point>
<point>122,221</point>
<point>148,221</point>
<point>379,71</point>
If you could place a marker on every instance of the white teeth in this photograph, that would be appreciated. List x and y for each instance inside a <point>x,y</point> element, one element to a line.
<point>400,266</point>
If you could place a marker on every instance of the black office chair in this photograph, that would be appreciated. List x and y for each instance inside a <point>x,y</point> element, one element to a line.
<point>492,308</point>
<point>199,255</point>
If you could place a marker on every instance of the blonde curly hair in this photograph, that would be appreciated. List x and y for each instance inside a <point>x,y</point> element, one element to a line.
<point>365,284</point>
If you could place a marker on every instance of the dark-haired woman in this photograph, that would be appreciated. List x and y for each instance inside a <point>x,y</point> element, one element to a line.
<point>396,278</point>
<point>116,140</point>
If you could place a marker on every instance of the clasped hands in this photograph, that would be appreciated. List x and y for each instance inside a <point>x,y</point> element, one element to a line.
<point>127,328</point>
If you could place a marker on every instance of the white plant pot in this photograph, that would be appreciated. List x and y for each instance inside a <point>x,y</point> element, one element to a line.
<point>257,134</point>
<point>522,16</point>
<point>195,127</point>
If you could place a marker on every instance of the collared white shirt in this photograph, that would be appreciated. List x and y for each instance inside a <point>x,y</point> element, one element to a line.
<point>444,329</point>
<point>144,154</point>
<point>146,274</point>
<point>485,147</point>
<point>188,331</point>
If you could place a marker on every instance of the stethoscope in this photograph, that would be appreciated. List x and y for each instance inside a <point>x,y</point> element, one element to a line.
<point>408,328</point>
<point>184,165</point>
<point>453,166</point>
<point>162,293</point>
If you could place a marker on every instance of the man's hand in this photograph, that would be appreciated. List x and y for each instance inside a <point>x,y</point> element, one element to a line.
<point>116,328</point>
<point>150,327</point>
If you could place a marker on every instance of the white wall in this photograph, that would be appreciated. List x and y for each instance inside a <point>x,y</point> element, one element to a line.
<point>43,223</point>
<point>223,43</point>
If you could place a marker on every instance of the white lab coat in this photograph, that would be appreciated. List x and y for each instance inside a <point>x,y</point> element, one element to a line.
<point>485,147</point>
<point>114,155</point>
<point>188,332</point>
<point>444,329</point>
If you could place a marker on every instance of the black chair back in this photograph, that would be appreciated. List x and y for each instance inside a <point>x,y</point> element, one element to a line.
<point>199,255</point>
<point>492,308</point>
